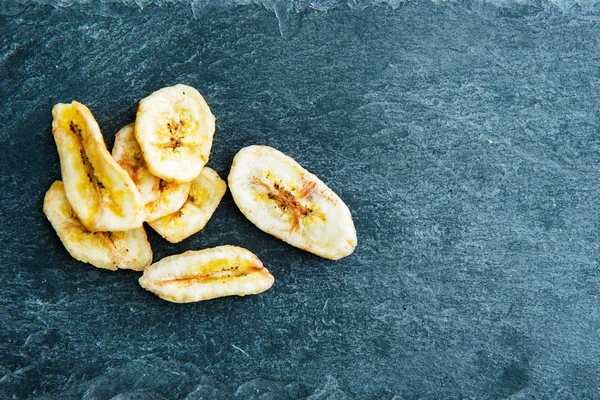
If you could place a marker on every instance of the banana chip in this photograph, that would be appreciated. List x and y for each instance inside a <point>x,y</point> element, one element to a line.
<point>283,199</point>
<point>160,198</point>
<point>101,192</point>
<point>205,195</point>
<point>174,127</point>
<point>207,274</point>
<point>108,250</point>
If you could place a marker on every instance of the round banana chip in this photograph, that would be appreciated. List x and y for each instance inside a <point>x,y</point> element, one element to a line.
<point>109,250</point>
<point>100,191</point>
<point>174,127</point>
<point>160,198</point>
<point>283,199</point>
<point>205,195</point>
<point>207,274</point>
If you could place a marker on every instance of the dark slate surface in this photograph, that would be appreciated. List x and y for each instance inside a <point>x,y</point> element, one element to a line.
<point>463,136</point>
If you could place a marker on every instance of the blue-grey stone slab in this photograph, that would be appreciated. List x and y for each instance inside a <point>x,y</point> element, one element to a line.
<point>464,137</point>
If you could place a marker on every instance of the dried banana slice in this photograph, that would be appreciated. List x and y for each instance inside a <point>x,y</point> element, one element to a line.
<point>101,192</point>
<point>207,274</point>
<point>205,195</point>
<point>160,198</point>
<point>174,127</point>
<point>127,153</point>
<point>108,250</point>
<point>283,199</point>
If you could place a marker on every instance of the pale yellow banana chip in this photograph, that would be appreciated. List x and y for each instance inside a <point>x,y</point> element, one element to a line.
<point>174,127</point>
<point>109,250</point>
<point>127,153</point>
<point>283,199</point>
<point>207,274</point>
<point>160,197</point>
<point>100,191</point>
<point>205,195</point>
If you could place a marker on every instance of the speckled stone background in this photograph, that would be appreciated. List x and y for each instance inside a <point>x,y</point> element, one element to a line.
<point>464,138</point>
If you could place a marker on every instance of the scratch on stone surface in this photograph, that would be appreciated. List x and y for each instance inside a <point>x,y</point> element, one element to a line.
<point>237,348</point>
<point>30,336</point>
<point>24,369</point>
<point>192,57</point>
<point>326,323</point>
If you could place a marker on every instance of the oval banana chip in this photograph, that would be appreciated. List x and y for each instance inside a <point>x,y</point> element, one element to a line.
<point>207,274</point>
<point>160,197</point>
<point>109,250</point>
<point>127,153</point>
<point>204,197</point>
<point>283,199</point>
<point>100,191</point>
<point>174,127</point>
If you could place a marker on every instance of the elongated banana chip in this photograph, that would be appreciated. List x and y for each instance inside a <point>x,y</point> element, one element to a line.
<point>127,153</point>
<point>160,197</point>
<point>207,274</point>
<point>109,250</point>
<point>174,127</point>
<point>205,195</point>
<point>283,199</point>
<point>100,191</point>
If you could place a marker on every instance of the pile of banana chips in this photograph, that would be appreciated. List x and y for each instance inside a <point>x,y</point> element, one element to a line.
<point>157,174</point>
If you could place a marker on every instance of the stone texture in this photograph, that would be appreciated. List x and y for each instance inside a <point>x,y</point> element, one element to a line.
<point>463,136</point>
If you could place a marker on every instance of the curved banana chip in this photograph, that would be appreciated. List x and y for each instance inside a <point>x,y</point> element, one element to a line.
<point>127,153</point>
<point>205,195</point>
<point>160,198</point>
<point>207,274</point>
<point>101,192</point>
<point>108,250</point>
<point>283,199</point>
<point>174,127</point>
